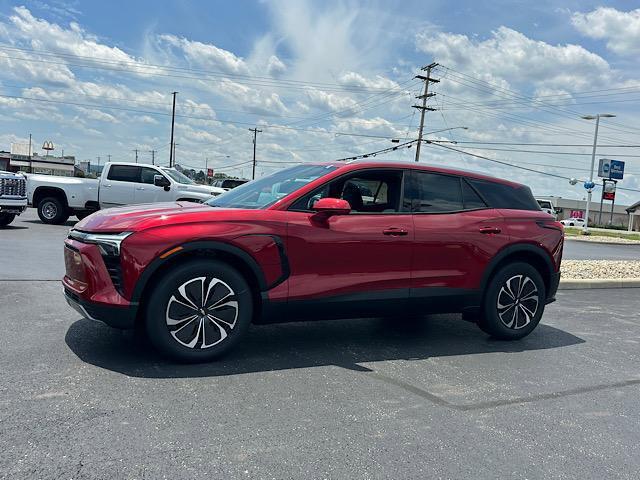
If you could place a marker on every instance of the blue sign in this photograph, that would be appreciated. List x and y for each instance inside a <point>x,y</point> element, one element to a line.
<point>616,169</point>
<point>589,185</point>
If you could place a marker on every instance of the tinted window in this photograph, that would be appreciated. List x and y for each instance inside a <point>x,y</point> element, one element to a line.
<point>500,195</point>
<point>147,174</point>
<point>124,173</point>
<point>370,191</point>
<point>434,193</point>
<point>470,198</point>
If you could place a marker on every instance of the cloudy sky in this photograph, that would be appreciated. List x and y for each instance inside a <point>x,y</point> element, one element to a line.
<point>325,80</point>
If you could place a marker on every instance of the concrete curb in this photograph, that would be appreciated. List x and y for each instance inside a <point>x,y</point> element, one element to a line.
<point>585,284</point>
<point>598,242</point>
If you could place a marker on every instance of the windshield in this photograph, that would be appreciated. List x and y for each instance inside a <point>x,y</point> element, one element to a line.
<point>178,177</point>
<point>268,190</point>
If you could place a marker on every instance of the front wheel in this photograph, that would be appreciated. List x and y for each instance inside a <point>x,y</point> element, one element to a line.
<point>199,311</point>
<point>52,211</point>
<point>514,302</point>
<point>6,219</point>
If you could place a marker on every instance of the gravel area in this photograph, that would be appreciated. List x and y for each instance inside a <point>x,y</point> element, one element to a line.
<point>600,269</point>
<point>603,239</point>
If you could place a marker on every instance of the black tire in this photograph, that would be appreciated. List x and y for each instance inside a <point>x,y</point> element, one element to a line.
<point>6,219</point>
<point>52,211</point>
<point>528,299</point>
<point>164,305</point>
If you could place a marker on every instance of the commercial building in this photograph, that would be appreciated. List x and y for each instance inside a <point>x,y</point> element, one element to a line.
<point>567,208</point>
<point>47,165</point>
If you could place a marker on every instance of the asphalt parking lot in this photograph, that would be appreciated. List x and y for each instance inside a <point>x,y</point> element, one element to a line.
<point>362,398</point>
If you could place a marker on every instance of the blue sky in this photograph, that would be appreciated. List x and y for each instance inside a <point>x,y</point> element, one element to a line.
<point>325,80</point>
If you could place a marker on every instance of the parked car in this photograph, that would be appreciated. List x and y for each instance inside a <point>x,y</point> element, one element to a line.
<point>57,198</point>
<point>303,243</point>
<point>229,183</point>
<point>13,197</point>
<point>573,222</point>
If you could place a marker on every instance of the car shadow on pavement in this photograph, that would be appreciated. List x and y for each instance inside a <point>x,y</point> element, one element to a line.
<point>345,343</point>
<point>68,223</point>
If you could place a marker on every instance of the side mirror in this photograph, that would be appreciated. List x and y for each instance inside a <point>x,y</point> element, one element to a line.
<point>161,181</point>
<point>332,206</point>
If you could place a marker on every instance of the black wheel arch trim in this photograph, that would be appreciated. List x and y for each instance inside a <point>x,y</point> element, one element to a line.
<point>213,245</point>
<point>514,250</point>
<point>45,191</point>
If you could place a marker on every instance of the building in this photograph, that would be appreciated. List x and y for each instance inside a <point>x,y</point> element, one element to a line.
<point>47,165</point>
<point>5,160</point>
<point>567,208</point>
<point>634,217</point>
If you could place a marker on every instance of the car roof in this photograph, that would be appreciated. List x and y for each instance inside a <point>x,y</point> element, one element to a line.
<point>362,164</point>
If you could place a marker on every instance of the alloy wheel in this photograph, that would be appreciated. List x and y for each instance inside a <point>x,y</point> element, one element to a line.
<point>202,312</point>
<point>517,302</point>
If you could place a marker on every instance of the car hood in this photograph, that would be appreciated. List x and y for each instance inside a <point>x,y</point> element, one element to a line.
<point>134,218</point>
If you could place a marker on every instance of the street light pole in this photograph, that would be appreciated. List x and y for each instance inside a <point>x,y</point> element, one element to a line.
<point>585,228</point>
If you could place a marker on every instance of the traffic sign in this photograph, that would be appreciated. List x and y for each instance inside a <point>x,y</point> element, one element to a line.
<point>209,172</point>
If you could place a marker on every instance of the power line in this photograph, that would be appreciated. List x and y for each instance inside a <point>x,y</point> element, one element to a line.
<point>502,162</point>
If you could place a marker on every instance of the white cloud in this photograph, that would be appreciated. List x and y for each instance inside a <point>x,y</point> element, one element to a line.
<point>621,30</point>
<point>330,101</point>
<point>511,58</point>
<point>275,66</point>
<point>206,55</point>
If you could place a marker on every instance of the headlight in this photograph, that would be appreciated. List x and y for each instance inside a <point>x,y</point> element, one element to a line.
<point>108,243</point>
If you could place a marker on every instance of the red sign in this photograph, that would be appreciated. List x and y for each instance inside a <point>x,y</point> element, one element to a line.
<point>608,195</point>
<point>577,214</point>
<point>608,190</point>
<point>209,172</point>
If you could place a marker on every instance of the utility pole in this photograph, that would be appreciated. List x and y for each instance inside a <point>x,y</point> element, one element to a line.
<point>153,156</point>
<point>255,135</point>
<point>98,161</point>
<point>423,108</point>
<point>173,121</point>
<point>109,158</point>
<point>174,153</point>
<point>136,150</point>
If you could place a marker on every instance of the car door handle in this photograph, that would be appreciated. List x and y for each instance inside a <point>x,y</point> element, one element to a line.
<point>139,188</point>
<point>490,230</point>
<point>395,232</point>
<point>107,185</point>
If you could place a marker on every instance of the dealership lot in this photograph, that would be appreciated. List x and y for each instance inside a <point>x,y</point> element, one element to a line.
<point>389,398</point>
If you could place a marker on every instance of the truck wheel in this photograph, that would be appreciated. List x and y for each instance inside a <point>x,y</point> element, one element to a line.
<point>6,219</point>
<point>198,311</point>
<point>52,211</point>
<point>514,302</point>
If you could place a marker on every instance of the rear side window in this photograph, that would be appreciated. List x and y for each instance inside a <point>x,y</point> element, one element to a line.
<point>124,173</point>
<point>505,196</point>
<point>434,193</point>
<point>470,198</point>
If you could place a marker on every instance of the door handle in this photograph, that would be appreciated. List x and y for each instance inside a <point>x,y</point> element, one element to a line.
<point>490,230</point>
<point>139,188</point>
<point>107,185</point>
<point>395,232</point>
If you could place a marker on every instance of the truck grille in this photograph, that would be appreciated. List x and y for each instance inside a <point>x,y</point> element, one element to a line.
<point>13,187</point>
<point>115,271</point>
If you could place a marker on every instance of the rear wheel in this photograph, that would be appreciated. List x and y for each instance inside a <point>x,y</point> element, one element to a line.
<point>6,219</point>
<point>52,211</point>
<point>514,302</point>
<point>199,311</point>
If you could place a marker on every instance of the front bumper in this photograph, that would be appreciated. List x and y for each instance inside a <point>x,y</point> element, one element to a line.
<point>16,206</point>
<point>117,317</point>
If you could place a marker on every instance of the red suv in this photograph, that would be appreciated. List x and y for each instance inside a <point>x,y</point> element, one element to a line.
<point>318,241</point>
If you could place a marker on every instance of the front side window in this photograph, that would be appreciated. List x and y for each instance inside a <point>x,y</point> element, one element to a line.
<point>124,173</point>
<point>147,175</point>
<point>178,176</point>
<point>372,191</point>
<point>268,190</point>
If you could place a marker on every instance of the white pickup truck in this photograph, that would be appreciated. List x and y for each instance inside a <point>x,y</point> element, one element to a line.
<point>13,198</point>
<point>57,198</point>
